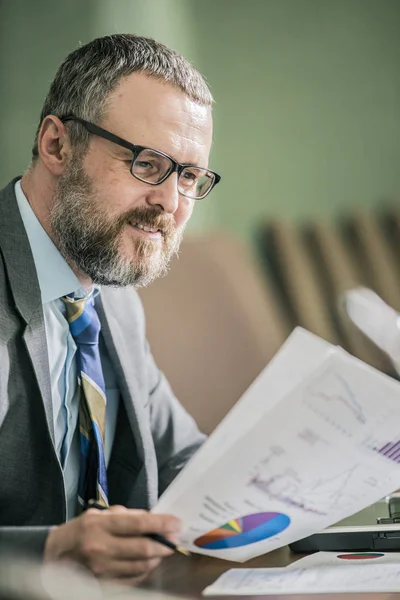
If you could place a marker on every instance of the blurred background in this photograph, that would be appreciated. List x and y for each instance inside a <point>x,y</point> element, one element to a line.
<point>307,140</point>
<point>307,93</point>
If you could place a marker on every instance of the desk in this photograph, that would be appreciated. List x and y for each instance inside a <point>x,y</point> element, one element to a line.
<point>188,577</point>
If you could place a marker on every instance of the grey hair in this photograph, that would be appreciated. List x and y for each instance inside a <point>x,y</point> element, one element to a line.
<point>90,73</point>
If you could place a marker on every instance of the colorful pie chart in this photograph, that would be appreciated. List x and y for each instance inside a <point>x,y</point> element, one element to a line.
<point>243,531</point>
<point>361,556</point>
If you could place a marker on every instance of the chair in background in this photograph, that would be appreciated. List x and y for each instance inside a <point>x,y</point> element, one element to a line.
<point>390,224</point>
<point>315,263</point>
<point>339,271</point>
<point>213,323</point>
<point>288,259</point>
<point>372,247</point>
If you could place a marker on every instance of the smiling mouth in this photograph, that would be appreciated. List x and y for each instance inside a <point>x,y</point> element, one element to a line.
<point>146,228</point>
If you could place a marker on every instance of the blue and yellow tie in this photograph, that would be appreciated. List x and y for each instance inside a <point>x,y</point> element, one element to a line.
<point>85,326</point>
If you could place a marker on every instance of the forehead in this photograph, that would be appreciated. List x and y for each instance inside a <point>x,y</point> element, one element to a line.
<point>153,113</point>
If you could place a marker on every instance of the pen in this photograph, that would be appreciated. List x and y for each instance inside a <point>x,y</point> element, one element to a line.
<point>156,537</point>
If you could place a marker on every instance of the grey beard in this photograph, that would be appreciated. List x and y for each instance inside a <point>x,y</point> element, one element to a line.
<point>90,241</point>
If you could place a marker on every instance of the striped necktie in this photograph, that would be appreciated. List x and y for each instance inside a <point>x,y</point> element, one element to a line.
<point>85,326</point>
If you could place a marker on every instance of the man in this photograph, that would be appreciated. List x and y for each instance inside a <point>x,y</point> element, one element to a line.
<point>119,160</point>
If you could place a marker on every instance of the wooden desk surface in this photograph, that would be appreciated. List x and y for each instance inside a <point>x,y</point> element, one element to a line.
<point>187,577</point>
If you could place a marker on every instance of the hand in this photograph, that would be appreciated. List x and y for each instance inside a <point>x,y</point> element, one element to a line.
<point>111,543</point>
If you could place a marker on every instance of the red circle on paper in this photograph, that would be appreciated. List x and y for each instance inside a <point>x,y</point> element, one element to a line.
<point>360,556</point>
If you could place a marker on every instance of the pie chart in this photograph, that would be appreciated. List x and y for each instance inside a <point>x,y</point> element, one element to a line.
<point>361,556</point>
<point>243,531</point>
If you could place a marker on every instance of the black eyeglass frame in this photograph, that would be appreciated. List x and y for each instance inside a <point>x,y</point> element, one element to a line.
<point>175,166</point>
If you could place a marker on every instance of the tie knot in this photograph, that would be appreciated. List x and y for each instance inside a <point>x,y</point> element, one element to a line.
<point>83,320</point>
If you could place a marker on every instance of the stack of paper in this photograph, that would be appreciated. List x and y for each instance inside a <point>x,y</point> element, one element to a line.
<point>321,573</point>
<point>302,449</point>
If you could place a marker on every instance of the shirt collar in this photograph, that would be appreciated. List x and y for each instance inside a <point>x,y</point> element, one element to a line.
<point>55,276</point>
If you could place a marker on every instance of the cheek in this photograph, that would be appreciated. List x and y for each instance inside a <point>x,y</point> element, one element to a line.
<point>121,196</point>
<point>184,211</point>
<point>115,188</point>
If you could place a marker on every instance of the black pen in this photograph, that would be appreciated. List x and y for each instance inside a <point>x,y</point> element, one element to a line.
<point>156,537</point>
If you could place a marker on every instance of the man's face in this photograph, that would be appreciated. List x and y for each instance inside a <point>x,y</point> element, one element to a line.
<point>100,208</point>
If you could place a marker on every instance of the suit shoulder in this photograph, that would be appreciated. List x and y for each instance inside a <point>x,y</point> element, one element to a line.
<point>123,301</point>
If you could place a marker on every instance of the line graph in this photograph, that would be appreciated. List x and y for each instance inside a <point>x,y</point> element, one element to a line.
<point>267,487</point>
<point>332,398</point>
<point>317,495</point>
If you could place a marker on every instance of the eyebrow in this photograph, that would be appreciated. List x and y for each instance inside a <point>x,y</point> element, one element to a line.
<point>127,152</point>
<point>187,164</point>
<point>192,165</point>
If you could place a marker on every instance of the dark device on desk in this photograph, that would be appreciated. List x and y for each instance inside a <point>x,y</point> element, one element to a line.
<point>374,528</point>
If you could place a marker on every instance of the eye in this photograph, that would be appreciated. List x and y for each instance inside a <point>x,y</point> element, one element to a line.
<point>189,176</point>
<point>143,164</point>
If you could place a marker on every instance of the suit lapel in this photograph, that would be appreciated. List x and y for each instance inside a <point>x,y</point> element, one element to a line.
<point>24,285</point>
<point>35,341</point>
<point>118,337</point>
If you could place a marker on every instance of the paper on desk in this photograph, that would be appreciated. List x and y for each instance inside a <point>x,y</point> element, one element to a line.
<point>314,580</point>
<point>304,449</point>
<point>340,559</point>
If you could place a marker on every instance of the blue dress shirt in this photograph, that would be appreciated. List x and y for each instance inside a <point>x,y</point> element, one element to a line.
<point>56,279</point>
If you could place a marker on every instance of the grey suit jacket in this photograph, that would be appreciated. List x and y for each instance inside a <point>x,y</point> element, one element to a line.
<point>154,435</point>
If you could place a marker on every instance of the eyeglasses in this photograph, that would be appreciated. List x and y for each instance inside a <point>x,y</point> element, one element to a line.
<point>154,167</point>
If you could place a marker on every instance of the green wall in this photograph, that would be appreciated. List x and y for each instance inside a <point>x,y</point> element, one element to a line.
<point>308,93</point>
<point>34,38</point>
<point>308,105</point>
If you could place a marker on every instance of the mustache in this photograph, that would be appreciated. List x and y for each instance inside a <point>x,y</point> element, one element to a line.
<point>151,217</point>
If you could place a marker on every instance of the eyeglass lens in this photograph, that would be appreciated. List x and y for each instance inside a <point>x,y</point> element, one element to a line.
<point>152,167</point>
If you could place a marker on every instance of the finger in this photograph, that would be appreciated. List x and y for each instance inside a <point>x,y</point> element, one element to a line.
<point>129,581</point>
<point>136,548</point>
<point>139,522</point>
<point>118,508</point>
<point>136,522</point>
<point>125,569</point>
<point>173,537</point>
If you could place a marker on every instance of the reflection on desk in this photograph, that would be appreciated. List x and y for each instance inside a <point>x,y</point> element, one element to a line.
<point>27,579</point>
<point>189,577</point>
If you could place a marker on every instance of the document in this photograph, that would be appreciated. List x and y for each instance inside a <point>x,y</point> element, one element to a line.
<point>314,440</point>
<point>379,577</point>
<point>341,559</point>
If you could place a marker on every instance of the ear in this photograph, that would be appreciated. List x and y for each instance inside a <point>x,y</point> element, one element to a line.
<point>53,144</point>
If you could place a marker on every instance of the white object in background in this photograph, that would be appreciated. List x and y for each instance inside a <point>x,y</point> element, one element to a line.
<point>379,321</point>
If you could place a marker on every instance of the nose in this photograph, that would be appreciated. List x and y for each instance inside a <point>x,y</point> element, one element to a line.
<point>166,195</point>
